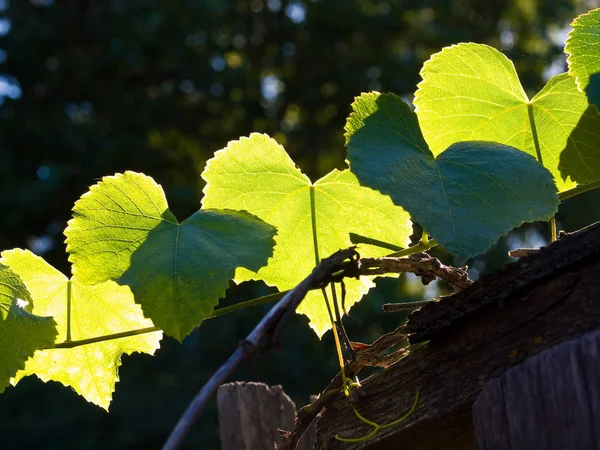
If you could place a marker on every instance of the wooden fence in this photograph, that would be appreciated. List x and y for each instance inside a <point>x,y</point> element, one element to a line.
<point>251,416</point>
<point>512,363</point>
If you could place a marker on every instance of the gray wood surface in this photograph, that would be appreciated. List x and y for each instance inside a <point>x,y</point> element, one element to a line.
<point>549,402</point>
<point>250,415</point>
<point>475,336</point>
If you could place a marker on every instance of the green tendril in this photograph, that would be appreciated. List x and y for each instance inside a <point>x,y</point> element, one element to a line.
<point>375,425</point>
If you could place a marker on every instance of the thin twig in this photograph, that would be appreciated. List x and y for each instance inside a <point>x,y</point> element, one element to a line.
<point>420,264</point>
<point>405,307</point>
<point>521,252</point>
<point>338,266</point>
<point>269,327</point>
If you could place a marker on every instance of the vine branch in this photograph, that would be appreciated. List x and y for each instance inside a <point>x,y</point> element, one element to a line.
<point>342,264</point>
<point>266,332</point>
<point>421,264</point>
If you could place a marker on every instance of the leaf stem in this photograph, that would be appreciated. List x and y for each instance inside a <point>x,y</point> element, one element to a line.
<point>538,152</point>
<point>216,313</point>
<point>578,190</point>
<point>247,304</point>
<point>69,297</point>
<point>424,244</point>
<point>534,133</point>
<point>313,217</point>
<point>360,239</point>
<point>553,228</point>
<point>336,338</point>
<point>420,247</point>
<point>424,237</point>
<point>108,337</point>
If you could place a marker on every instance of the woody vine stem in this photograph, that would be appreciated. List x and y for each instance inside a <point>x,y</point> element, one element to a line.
<point>345,263</point>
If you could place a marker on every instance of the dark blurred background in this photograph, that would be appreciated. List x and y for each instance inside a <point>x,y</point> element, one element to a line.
<point>90,88</point>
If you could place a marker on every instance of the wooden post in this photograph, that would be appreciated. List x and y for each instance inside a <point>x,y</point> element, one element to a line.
<point>550,401</point>
<point>250,415</point>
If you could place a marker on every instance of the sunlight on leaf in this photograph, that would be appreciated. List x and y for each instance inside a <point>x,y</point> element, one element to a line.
<point>122,230</point>
<point>472,92</point>
<point>583,46</point>
<point>21,332</point>
<point>466,198</point>
<point>313,220</point>
<point>107,308</point>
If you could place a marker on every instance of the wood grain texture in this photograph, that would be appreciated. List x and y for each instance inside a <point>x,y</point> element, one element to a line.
<point>572,250</point>
<point>251,415</point>
<point>475,335</point>
<point>549,402</point>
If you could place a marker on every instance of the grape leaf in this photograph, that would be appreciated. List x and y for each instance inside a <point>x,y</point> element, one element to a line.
<point>123,230</point>
<point>466,197</point>
<point>313,220</point>
<point>81,312</point>
<point>471,92</point>
<point>583,45</point>
<point>21,332</point>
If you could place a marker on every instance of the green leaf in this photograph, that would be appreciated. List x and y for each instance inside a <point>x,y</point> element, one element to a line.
<point>21,332</point>
<point>81,312</point>
<point>466,198</point>
<point>313,220</point>
<point>123,230</point>
<point>583,46</point>
<point>471,92</point>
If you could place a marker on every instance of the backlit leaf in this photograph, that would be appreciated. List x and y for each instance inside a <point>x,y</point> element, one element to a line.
<point>313,220</point>
<point>471,92</point>
<point>583,46</point>
<point>466,197</point>
<point>122,230</point>
<point>21,331</point>
<point>82,312</point>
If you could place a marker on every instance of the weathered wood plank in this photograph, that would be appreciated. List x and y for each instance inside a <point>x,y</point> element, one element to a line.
<point>549,402</point>
<point>251,415</point>
<point>475,336</point>
<point>571,251</point>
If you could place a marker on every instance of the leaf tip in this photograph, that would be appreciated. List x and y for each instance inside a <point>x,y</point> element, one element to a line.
<point>239,150</point>
<point>365,105</point>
